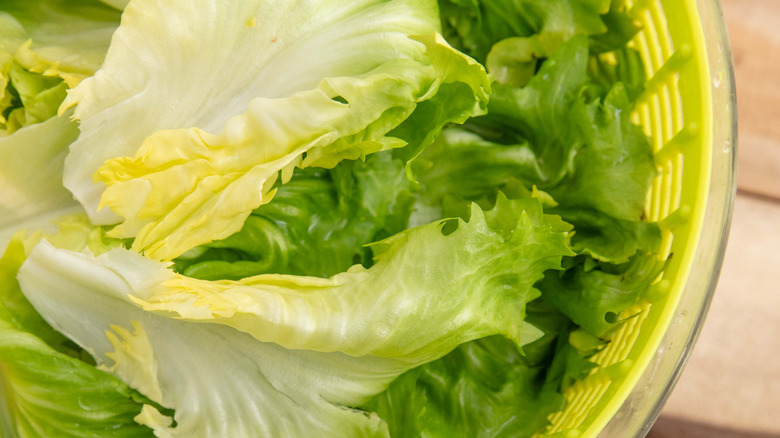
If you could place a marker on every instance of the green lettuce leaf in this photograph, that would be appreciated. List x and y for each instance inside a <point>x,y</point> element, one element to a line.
<point>15,310</point>
<point>482,389</point>
<point>490,167</point>
<point>608,239</point>
<point>539,113</point>
<point>625,66</point>
<point>571,362</point>
<point>328,81</point>
<point>565,135</point>
<point>117,4</point>
<point>318,224</point>
<point>488,387</point>
<point>476,26</point>
<point>510,37</point>
<point>51,394</point>
<point>614,165</point>
<point>621,28</point>
<point>47,388</point>
<point>38,97</point>
<point>524,245</point>
<point>279,360</point>
<point>595,296</point>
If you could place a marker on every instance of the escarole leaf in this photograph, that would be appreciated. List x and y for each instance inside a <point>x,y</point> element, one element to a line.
<point>47,390</point>
<point>484,388</point>
<point>273,391</point>
<point>68,39</point>
<point>31,162</point>
<point>594,297</point>
<point>568,136</point>
<point>488,387</point>
<point>280,360</point>
<point>46,47</point>
<point>221,107</point>
<point>477,26</point>
<point>318,224</point>
<point>423,294</point>
<point>51,394</point>
<point>512,36</point>
<point>615,165</point>
<point>117,4</point>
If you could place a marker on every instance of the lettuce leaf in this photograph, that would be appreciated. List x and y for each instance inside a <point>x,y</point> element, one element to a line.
<point>624,66</point>
<point>511,37</point>
<point>477,26</point>
<point>117,4</point>
<point>490,388</point>
<point>31,191</point>
<point>279,360</point>
<point>38,97</point>
<point>51,394</point>
<point>46,47</point>
<point>483,389</point>
<point>482,26</point>
<point>48,389</point>
<point>327,81</point>
<point>595,296</point>
<point>564,134</point>
<point>318,224</point>
<point>614,166</point>
<point>66,39</point>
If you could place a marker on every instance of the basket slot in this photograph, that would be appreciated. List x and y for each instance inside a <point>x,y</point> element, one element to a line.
<point>660,30</point>
<point>677,144</point>
<point>653,54</point>
<point>585,393</point>
<point>624,338</point>
<point>668,70</point>
<point>677,181</point>
<point>668,189</point>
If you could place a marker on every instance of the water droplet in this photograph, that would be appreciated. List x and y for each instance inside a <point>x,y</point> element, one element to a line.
<point>717,79</point>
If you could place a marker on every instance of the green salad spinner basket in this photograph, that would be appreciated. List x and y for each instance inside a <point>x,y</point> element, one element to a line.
<point>688,109</point>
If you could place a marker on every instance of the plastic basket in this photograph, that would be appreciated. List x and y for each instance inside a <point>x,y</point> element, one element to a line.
<point>688,111</point>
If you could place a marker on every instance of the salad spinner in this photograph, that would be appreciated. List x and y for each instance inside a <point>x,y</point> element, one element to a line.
<point>688,109</point>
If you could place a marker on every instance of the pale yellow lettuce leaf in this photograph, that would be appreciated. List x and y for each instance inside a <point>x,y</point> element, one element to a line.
<point>193,118</point>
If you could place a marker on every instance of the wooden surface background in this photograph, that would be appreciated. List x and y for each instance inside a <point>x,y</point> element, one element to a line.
<point>731,385</point>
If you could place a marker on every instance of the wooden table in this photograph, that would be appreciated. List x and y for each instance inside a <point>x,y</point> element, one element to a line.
<point>731,385</point>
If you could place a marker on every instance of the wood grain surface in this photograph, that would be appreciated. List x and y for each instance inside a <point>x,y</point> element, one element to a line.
<point>754,30</point>
<point>731,385</point>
